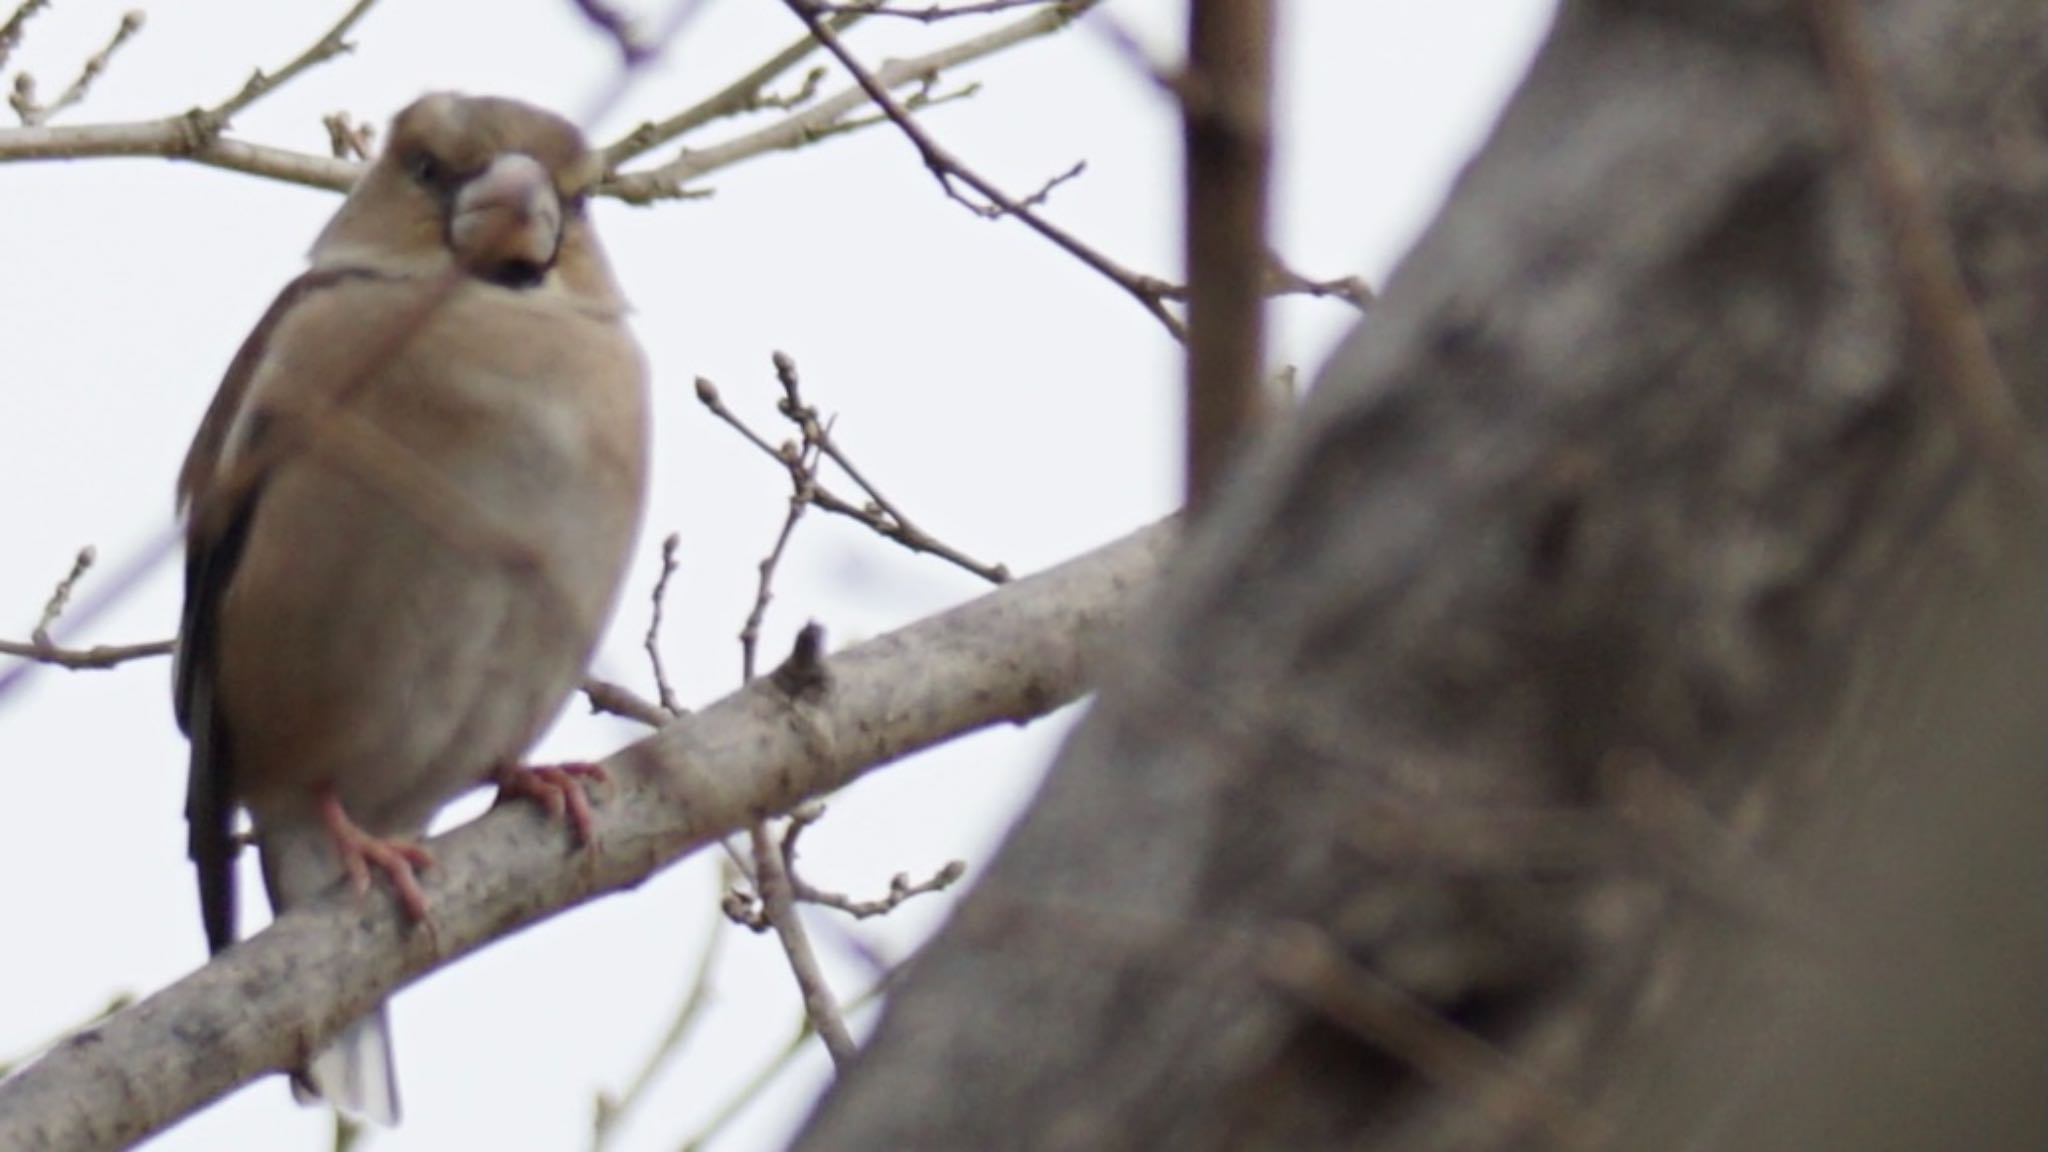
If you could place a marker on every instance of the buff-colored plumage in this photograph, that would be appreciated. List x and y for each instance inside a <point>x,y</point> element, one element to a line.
<point>409,511</point>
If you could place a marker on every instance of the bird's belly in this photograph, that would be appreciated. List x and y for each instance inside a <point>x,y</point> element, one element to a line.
<point>402,661</point>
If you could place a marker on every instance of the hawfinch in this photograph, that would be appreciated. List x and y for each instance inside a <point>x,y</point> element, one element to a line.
<point>408,514</point>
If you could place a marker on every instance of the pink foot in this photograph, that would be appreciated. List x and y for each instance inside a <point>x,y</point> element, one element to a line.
<point>557,788</point>
<point>359,851</point>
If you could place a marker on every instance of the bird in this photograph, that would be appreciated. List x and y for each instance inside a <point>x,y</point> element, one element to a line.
<point>408,513</point>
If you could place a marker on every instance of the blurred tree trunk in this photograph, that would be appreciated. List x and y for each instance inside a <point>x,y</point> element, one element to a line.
<point>1611,714</point>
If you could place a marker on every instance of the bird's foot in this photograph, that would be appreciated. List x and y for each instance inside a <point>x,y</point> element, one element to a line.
<point>559,788</point>
<point>359,851</point>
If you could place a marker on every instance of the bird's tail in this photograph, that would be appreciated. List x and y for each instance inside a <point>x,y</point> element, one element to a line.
<point>354,1072</point>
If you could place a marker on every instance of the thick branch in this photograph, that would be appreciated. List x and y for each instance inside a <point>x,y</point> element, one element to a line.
<point>1010,656</point>
<point>1226,133</point>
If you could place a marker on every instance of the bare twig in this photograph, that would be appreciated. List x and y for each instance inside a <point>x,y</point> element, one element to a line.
<point>778,904</point>
<point>932,13</point>
<point>901,888</point>
<point>42,647</point>
<point>652,641</point>
<point>17,24</point>
<point>774,902</point>
<point>900,528</point>
<point>1930,277</point>
<point>741,96</point>
<point>803,466</point>
<point>604,696</point>
<point>180,138</point>
<point>60,596</point>
<point>951,173</point>
<point>777,887</point>
<point>877,515</point>
<point>822,119</point>
<point>619,700</point>
<point>23,99</point>
<point>1226,114</point>
<point>208,122</point>
<point>1284,281</point>
<point>347,139</point>
<point>98,657</point>
<point>1037,199</point>
<point>174,138</point>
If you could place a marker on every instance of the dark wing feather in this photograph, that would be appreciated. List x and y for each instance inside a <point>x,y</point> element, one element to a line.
<point>219,510</point>
<point>209,787</point>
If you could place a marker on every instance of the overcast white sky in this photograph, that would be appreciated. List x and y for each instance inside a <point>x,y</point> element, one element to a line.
<point>1008,399</point>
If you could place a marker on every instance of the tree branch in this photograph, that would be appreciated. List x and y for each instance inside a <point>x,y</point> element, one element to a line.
<point>1011,655</point>
<point>1226,133</point>
<point>645,186</point>
<point>196,137</point>
<point>946,168</point>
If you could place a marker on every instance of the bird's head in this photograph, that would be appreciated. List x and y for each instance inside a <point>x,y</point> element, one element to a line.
<point>489,185</point>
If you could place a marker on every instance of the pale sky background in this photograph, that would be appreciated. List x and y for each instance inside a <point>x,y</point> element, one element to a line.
<point>1007,398</point>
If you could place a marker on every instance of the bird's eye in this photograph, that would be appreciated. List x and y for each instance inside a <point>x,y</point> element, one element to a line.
<point>427,169</point>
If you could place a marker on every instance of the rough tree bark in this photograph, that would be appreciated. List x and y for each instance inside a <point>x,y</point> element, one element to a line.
<point>1610,715</point>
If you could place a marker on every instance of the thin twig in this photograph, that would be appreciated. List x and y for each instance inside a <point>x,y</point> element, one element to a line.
<point>23,97</point>
<point>829,116</point>
<point>347,139</point>
<point>60,596</point>
<point>947,169</point>
<point>741,96</point>
<point>652,641</point>
<point>901,888</point>
<point>1044,193</point>
<point>619,700</point>
<point>774,887</point>
<point>803,472</point>
<point>873,515</point>
<point>778,903</point>
<point>816,432</point>
<point>98,657</point>
<point>1284,281</point>
<point>17,24</point>
<point>178,138</point>
<point>933,13</point>
<point>210,121</point>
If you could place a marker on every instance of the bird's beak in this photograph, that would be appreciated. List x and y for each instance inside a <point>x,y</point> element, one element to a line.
<point>508,220</point>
